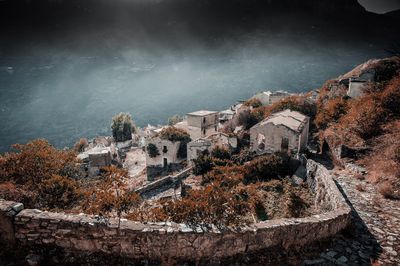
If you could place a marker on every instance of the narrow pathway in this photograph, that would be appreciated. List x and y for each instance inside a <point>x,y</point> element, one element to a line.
<point>375,235</point>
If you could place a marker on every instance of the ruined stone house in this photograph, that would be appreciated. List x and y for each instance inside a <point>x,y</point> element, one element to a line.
<point>226,115</point>
<point>199,146</point>
<point>267,97</point>
<point>285,131</point>
<point>162,156</point>
<point>98,157</point>
<point>356,85</point>
<point>200,124</point>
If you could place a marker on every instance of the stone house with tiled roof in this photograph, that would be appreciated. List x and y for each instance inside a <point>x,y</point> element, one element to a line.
<point>285,131</point>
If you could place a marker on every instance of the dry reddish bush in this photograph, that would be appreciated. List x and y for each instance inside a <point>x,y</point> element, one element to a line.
<point>386,190</point>
<point>228,176</point>
<point>80,145</point>
<point>254,103</point>
<point>375,263</point>
<point>211,205</point>
<point>365,117</point>
<point>13,192</point>
<point>59,192</point>
<point>295,103</point>
<point>110,194</point>
<point>359,176</point>
<point>390,97</point>
<point>265,168</point>
<point>360,187</point>
<point>331,89</point>
<point>330,112</point>
<point>35,162</point>
<point>295,205</point>
<point>383,160</point>
<point>247,118</point>
<point>174,134</point>
<point>43,175</point>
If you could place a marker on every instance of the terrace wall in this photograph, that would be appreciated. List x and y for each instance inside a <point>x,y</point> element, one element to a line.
<point>160,241</point>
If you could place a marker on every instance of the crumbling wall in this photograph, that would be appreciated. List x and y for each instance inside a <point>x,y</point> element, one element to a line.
<point>8,209</point>
<point>163,241</point>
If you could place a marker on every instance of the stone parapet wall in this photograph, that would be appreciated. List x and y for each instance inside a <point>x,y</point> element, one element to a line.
<point>161,241</point>
<point>8,209</point>
<point>164,181</point>
<point>327,194</point>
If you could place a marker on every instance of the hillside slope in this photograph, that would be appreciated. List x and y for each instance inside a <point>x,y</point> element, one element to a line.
<point>365,129</point>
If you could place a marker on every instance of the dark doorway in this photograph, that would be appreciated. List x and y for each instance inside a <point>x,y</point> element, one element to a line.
<point>165,164</point>
<point>285,144</point>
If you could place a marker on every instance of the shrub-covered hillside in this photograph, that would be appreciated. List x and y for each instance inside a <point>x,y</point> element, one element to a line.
<point>367,127</point>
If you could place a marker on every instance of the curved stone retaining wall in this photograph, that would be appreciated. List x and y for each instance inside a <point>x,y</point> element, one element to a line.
<point>81,233</point>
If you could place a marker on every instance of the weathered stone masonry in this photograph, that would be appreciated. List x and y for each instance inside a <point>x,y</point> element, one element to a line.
<point>81,233</point>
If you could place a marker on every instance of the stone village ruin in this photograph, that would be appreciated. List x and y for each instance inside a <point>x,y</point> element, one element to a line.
<point>167,166</point>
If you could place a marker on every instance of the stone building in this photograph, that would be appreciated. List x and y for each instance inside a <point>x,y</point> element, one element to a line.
<point>199,146</point>
<point>268,97</point>
<point>163,156</point>
<point>98,157</point>
<point>200,124</point>
<point>226,115</point>
<point>356,85</point>
<point>285,131</point>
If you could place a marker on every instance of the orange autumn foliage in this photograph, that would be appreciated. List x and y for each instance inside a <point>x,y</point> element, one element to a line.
<point>35,162</point>
<point>42,174</point>
<point>211,205</point>
<point>330,112</point>
<point>111,194</point>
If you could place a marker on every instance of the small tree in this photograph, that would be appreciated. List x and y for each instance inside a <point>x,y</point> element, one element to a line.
<point>174,120</point>
<point>152,150</point>
<point>111,195</point>
<point>220,152</point>
<point>203,164</point>
<point>122,127</point>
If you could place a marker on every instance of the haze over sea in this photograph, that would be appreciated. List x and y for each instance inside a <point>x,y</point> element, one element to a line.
<point>66,87</point>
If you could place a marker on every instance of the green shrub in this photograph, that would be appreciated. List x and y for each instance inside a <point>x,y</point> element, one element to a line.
<point>174,120</point>
<point>152,150</point>
<point>220,153</point>
<point>265,168</point>
<point>122,127</point>
<point>203,164</point>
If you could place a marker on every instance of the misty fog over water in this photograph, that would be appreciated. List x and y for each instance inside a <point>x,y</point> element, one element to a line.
<point>70,88</point>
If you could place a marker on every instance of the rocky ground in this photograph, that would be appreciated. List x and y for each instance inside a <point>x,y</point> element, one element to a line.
<point>135,163</point>
<point>375,235</point>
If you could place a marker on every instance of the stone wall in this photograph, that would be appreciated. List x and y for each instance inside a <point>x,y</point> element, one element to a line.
<point>162,241</point>
<point>165,181</point>
<point>8,209</point>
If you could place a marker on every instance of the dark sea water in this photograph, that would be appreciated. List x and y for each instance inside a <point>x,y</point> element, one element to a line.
<point>70,88</point>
